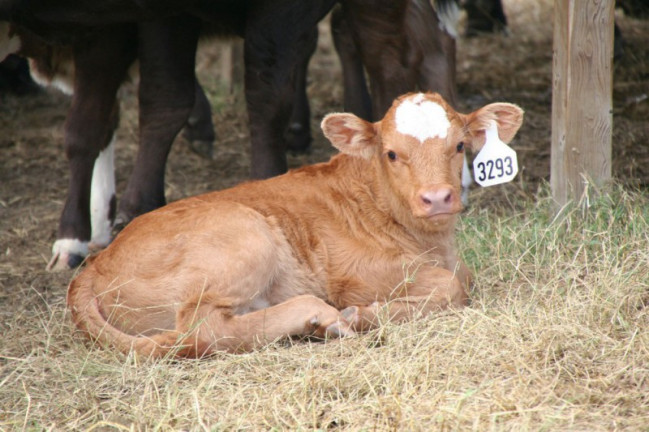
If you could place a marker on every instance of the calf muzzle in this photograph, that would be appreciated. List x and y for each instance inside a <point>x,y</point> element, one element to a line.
<point>438,200</point>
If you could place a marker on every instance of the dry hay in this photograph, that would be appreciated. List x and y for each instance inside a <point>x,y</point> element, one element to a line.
<point>555,338</point>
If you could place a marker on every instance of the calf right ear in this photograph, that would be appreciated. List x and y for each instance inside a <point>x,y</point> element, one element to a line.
<point>350,134</point>
<point>508,118</point>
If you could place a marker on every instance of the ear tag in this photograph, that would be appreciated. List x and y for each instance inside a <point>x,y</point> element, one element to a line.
<point>496,163</point>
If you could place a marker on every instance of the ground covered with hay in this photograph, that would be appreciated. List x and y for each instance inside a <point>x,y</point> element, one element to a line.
<point>556,336</point>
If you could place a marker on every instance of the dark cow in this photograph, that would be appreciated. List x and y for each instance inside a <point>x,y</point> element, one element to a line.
<point>101,35</point>
<point>103,53</point>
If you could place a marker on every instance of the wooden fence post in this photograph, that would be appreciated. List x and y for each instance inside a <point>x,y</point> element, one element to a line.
<point>582,96</point>
<point>232,67</point>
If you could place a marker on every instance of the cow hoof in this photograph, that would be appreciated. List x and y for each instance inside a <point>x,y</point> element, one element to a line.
<point>203,148</point>
<point>64,261</point>
<point>67,254</point>
<point>298,139</point>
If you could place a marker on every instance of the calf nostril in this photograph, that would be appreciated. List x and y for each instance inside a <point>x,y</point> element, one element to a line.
<point>426,201</point>
<point>448,198</point>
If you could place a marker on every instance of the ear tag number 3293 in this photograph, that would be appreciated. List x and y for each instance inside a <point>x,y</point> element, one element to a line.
<point>496,163</point>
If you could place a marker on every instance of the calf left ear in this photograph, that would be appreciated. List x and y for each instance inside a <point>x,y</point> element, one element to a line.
<point>350,134</point>
<point>508,118</point>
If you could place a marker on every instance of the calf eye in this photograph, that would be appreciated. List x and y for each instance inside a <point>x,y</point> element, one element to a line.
<point>460,147</point>
<point>392,155</point>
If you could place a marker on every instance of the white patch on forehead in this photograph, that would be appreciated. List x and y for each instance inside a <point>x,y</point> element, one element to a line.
<point>421,118</point>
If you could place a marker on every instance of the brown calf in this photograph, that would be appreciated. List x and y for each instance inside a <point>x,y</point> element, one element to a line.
<point>324,250</point>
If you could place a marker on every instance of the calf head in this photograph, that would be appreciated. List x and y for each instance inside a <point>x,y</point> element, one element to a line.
<point>418,148</point>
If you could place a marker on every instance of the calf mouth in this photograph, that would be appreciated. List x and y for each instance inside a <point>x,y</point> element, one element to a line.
<point>441,217</point>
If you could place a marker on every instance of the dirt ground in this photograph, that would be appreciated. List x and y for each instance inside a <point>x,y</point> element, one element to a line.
<point>517,68</point>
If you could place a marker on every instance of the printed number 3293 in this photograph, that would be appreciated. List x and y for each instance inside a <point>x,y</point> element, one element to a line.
<point>495,168</point>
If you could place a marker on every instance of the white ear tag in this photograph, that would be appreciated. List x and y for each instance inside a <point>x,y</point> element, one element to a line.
<point>496,163</point>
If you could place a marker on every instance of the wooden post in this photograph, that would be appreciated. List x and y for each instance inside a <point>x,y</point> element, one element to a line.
<point>232,68</point>
<point>582,96</point>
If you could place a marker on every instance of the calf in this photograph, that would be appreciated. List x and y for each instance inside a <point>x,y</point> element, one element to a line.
<point>324,250</point>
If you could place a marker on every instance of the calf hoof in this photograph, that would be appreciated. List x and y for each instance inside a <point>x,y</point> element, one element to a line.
<point>344,327</point>
<point>67,254</point>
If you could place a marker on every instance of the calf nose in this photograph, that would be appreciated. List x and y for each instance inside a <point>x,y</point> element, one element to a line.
<point>439,200</point>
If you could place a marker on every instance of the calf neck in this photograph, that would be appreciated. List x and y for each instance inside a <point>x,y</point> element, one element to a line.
<point>326,250</point>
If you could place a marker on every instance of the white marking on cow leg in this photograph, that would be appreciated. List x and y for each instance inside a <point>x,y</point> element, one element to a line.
<point>467,180</point>
<point>421,118</point>
<point>102,197</point>
<point>67,253</point>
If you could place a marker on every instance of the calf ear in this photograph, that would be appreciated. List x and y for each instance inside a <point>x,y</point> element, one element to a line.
<point>350,134</point>
<point>508,118</point>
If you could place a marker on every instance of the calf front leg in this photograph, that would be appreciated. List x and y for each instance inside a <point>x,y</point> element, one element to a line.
<point>434,289</point>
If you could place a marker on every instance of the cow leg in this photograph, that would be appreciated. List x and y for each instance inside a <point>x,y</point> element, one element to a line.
<point>427,35</point>
<point>390,61</point>
<point>274,53</point>
<point>100,66</point>
<point>166,95</point>
<point>298,135</point>
<point>434,289</point>
<point>356,95</point>
<point>199,129</point>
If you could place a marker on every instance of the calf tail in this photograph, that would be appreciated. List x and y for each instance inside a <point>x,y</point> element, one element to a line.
<point>87,316</point>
